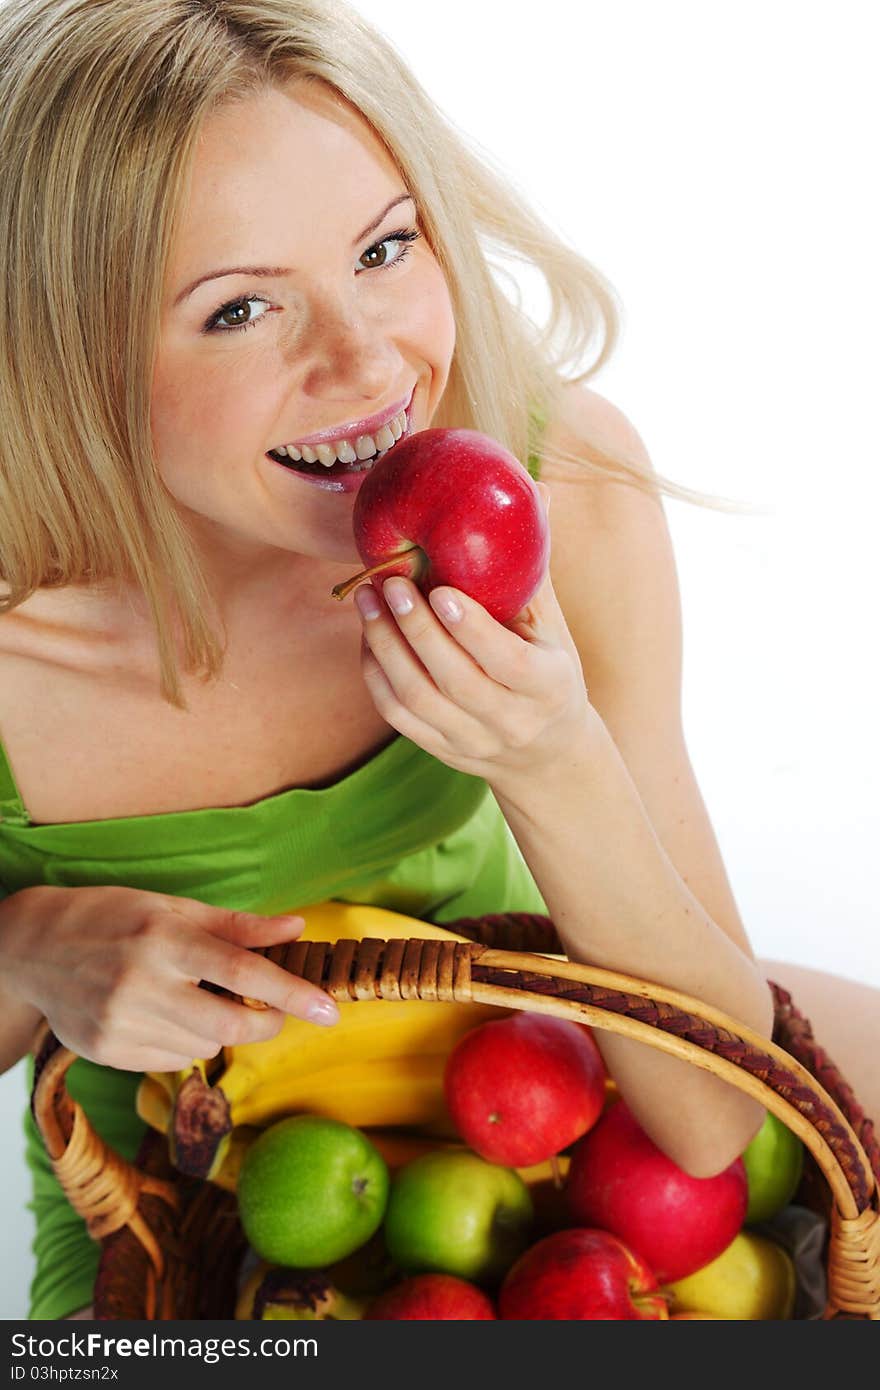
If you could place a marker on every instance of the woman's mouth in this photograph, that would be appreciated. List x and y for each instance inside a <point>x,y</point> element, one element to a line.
<point>340,466</point>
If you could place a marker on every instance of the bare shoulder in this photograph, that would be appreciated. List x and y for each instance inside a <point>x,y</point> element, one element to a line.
<point>587,420</point>
<point>612,563</point>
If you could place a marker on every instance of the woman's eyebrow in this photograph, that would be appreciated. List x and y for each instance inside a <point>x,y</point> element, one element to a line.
<point>401,198</point>
<point>268,271</point>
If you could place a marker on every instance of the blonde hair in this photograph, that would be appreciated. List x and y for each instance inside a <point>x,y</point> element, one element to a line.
<point>101,104</point>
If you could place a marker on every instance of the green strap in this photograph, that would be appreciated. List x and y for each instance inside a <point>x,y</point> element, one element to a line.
<point>538,418</point>
<point>12,810</point>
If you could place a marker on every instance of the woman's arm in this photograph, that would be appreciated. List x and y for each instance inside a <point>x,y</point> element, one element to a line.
<point>618,902</point>
<point>618,838</point>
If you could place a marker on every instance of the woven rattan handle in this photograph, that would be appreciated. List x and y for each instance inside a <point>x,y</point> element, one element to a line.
<point>474,971</point>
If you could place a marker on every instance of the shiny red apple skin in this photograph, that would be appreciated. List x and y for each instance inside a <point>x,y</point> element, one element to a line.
<point>579,1275</point>
<point>432,1297</point>
<point>620,1180</point>
<point>471,506</point>
<point>521,1089</point>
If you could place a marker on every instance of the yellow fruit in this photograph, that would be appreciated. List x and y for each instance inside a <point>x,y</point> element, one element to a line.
<point>240,1140</point>
<point>695,1316</point>
<point>380,1065</point>
<point>548,1171</point>
<point>260,1079</point>
<point>399,1090</point>
<point>153,1103</point>
<point>754,1278</point>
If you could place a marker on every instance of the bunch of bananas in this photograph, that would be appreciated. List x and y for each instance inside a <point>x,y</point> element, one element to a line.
<point>380,1066</point>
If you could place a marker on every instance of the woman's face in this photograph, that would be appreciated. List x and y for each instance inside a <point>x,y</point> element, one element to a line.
<point>314,320</point>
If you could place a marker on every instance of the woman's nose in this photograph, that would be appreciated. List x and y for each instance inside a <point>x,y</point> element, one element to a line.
<point>349,355</point>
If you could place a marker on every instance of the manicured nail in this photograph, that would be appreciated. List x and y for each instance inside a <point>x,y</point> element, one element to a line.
<point>397,596</point>
<point>324,1012</point>
<point>448,607</point>
<point>367,602</point>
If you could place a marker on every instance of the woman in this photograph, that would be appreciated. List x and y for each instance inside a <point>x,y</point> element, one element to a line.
<point>229,229</point>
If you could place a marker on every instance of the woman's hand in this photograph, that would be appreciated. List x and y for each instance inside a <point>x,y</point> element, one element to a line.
<point>116,971</point>
<point>497,701</point>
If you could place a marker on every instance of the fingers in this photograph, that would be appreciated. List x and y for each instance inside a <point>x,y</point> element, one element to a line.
<point>154,1059</point>
<point>187,1043</point>
<point>407,644</point>
<point>245,928</point>
<point>229,1023</point>
<point>396,712</point>
<point>226,957</point>
<point>417,658</point>
<point>459,652</point>
<point>248,974</point>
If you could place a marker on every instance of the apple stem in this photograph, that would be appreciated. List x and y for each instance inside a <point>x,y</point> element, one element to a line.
<point>557,1172</point>
<point>340,590</point>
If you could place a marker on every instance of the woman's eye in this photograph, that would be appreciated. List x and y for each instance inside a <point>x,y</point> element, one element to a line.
<point>235,315</point>
<point>377,256</point>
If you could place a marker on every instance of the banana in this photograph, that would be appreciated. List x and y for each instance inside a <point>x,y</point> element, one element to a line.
<point>401,1091</point>
<point>225,1172</point>
<point>154,1103</point>
<point>368,1032</point>
<point>381,1064</point>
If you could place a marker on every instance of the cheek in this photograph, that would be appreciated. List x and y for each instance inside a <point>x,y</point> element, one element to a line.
<point>199,413</point>
<point>169,423</point>
<point>433,318</point>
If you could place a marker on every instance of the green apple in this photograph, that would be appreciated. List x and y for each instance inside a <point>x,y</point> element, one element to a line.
<point>774,1161</point>
<point>452,1212</point>
<point>310,1191</point>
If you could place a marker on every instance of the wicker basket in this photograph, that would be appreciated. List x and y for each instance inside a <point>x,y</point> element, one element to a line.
<point>173,1245</point>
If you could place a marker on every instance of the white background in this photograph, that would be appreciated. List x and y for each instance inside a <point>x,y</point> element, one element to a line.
<point>717,163</point>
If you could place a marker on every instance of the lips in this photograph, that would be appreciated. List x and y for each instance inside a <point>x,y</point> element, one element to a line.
<point>402,425</point>
<point>367,426</point>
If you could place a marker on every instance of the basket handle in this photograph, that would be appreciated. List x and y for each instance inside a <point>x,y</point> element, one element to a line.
<point>106,1191</point>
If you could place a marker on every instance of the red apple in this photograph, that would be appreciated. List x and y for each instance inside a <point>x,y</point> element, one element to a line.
<point>453,507</point>
<point>522,1088</point>
<point>432,1297</point>
<point>580,1274</point>
<point>620,1180</point>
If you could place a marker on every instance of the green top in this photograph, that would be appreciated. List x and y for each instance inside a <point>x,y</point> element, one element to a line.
<point>403,831</point>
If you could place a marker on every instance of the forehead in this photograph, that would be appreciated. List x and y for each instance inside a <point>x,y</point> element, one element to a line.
<point>302,135</point>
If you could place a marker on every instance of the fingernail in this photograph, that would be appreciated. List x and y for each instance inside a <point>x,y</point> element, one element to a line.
<point>447,606</point>
<point>397,596</point>
<point>367,602</point>
<point>324,1012</point>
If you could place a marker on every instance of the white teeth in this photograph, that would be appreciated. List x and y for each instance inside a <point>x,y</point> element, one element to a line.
<point>364,446</point>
